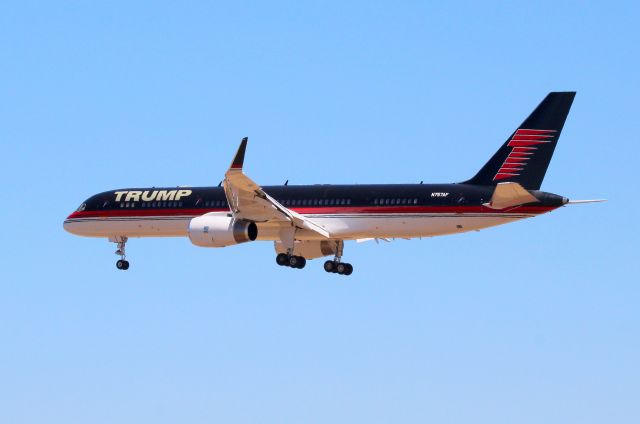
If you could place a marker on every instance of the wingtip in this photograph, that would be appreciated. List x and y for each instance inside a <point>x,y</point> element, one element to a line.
<point>238,160</point>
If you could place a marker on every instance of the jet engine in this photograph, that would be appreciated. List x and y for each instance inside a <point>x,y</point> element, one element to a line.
<point>220,230</point>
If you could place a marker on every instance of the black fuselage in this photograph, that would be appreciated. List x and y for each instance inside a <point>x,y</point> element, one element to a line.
<point>315,197</point>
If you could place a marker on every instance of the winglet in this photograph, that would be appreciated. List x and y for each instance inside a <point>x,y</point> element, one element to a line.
<point>238,160</point>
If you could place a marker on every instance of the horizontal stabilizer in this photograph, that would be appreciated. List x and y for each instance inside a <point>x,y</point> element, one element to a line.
<point>509,194</point>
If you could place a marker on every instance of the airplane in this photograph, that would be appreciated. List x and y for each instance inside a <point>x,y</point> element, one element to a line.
<point>313,221</point>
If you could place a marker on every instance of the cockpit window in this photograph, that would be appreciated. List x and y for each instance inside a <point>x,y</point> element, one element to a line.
<point>81,207</point>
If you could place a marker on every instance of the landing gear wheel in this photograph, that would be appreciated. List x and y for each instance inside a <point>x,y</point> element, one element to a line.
<point>122,264</point>
<point>297,262</point>
<point>336,266</point>
<point>282,259</point>
<point>330,266</point>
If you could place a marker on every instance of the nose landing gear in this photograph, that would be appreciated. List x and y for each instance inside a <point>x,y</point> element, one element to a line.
<point>121,263</point>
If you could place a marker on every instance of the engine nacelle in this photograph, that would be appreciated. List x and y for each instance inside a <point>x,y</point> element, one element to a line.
<point>217,230</point>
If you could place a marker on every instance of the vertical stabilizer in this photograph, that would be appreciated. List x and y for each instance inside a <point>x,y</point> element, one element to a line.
<point>525,156</point>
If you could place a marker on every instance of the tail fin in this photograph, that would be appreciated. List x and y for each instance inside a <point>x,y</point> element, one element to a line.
<point>525,156</point>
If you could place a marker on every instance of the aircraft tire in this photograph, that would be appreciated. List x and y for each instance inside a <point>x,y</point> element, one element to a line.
<point>282,259</point>
<point>329,266</point>
<point>296,261</point>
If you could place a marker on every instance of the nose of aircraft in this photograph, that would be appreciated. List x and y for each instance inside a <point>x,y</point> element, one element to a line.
<point>71,225</point>
<point>68,225</point>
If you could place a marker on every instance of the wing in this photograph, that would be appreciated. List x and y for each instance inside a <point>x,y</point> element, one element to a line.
<point>250,202</point>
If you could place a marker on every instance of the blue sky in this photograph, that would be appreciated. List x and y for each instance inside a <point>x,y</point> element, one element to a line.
<point>531,322</point>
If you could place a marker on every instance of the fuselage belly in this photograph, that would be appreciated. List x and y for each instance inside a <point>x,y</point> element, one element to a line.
<point>342,227</point>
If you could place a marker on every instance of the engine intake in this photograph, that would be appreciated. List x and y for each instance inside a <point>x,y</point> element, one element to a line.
<point>216,230</point>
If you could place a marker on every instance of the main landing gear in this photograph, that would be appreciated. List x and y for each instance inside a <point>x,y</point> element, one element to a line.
<point>341,268</point>
<point>122,263</point>
<point>292,261</point>
<point>336,266</point>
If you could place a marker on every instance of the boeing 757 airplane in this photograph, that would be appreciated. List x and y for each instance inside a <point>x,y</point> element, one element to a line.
<point>313,221</point>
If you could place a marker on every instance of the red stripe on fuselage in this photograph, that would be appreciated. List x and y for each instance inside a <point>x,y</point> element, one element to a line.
<point>315,210</point>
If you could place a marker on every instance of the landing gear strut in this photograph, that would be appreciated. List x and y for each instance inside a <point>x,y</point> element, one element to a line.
<point>336,266</point>
<point>121,263</point>
<point>284,259</point>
